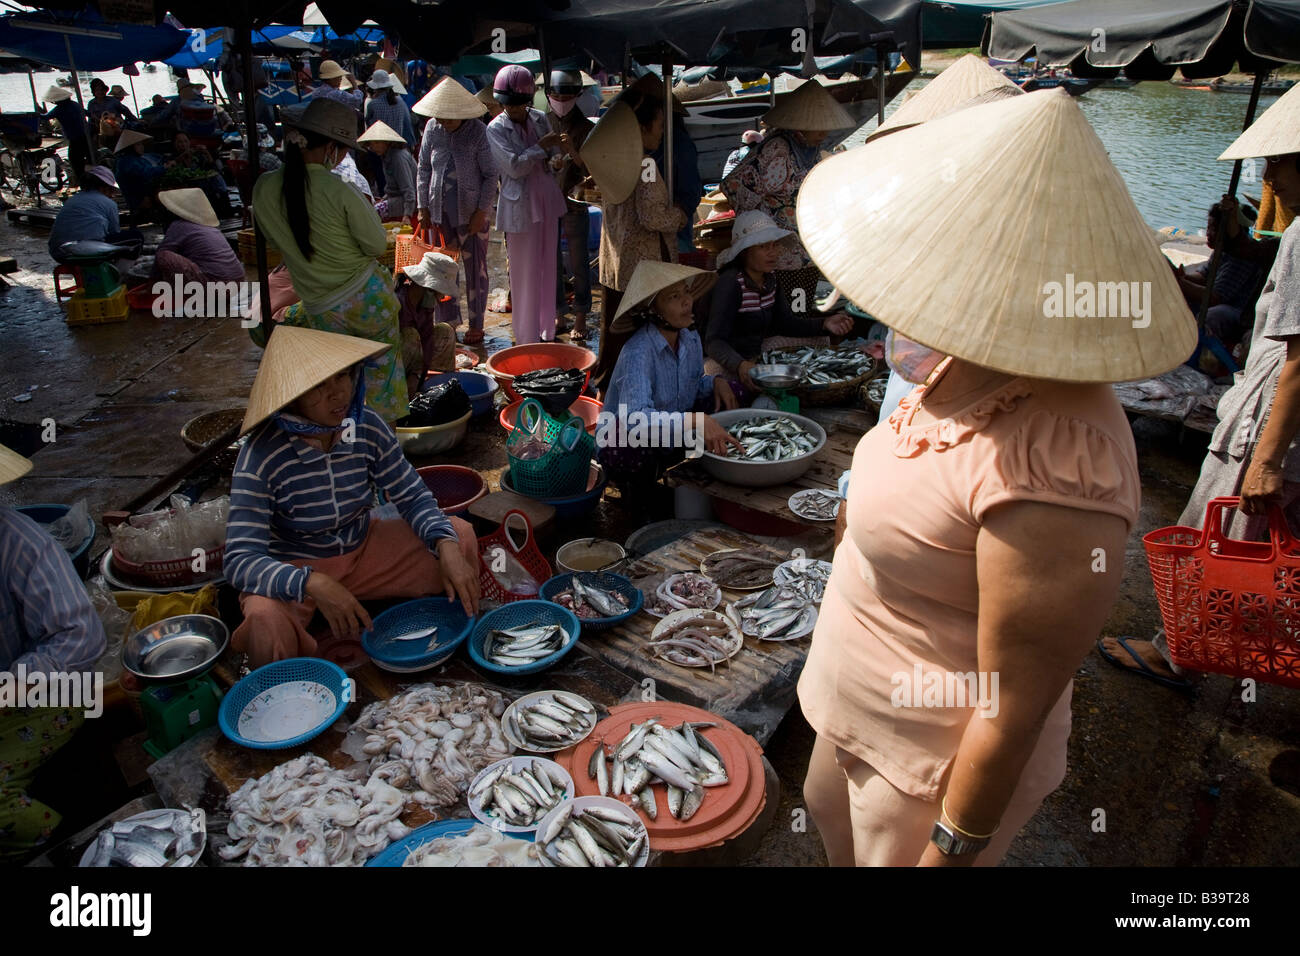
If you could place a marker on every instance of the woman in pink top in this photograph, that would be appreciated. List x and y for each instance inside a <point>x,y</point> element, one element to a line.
<point>986,520</point>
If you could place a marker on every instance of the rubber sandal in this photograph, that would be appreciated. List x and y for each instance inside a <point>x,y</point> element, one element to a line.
<point>1143,669</point>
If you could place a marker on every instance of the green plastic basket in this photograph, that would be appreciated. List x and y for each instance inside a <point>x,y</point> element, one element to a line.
<point>564,469</point>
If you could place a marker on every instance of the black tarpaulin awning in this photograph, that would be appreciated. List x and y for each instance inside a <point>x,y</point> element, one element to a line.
<point>1149,39</point>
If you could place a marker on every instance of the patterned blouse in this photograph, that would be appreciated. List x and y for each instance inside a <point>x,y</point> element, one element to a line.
<point>643,226</point>
<point>768,179</point>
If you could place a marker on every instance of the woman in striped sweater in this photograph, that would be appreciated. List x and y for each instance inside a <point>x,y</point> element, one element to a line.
<point>302,535</point>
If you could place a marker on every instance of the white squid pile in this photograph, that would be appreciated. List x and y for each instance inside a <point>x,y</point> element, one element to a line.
<point>423,747</point>
<point>308,813</point>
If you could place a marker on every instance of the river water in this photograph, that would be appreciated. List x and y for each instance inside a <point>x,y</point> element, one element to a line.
<point>1163,139</point>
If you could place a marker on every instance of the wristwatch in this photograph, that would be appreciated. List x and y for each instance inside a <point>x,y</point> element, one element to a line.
<point>952,843</point>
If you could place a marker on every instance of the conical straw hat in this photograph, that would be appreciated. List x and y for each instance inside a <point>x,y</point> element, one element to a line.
<point>380,132</point>
<point>1275,133</point>
<point>190,204</point>
<point>809,107</point>
<point>967,78</point>
<point>650,278</point>
<point>12,465</point>
<point>450,100</point>
<point>972,232</point>
<point>296,361</point>
<point>613,152</point>
<point>130,137</point>
<point>57,94</point>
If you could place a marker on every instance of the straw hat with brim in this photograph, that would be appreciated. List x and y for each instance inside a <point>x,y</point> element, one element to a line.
<point>383,80</point>
<point>613,153</point>
<point>186,85</point>
<point>488,99</point>
<point>103,174</point>
<point>57,94</point>
<point>958,85</point>
<point>809,107</point>
<point>450,100</point>
<point>118,92</point>
<point>129,138</point>
<point>648,280</point>
<point>1008,214</point>
<point>326,117</point>
<point>751,228</point>
<point>330,70</point>
<point>1275,133</point>
<point>296,360</point>
<point>191,205</point>
<point>380,132</point>
<point>12,465</point>
<point>436,271</point>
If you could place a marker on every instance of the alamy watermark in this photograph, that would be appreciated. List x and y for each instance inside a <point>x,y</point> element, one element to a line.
<point>181,298</point>
<point>946,689</point>
<point>1085,299</point>
<point>634,428</point>
<point>79,690</point>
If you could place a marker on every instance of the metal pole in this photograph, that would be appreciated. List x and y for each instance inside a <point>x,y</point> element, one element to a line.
<point>668,126</point>
<point>134,100</point>
<point>76,86</point>
<point>1216,255</point>
<point>254,156</point>
<point>36,103</point>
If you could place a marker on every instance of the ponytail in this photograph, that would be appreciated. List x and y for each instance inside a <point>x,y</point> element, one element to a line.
<point>392,98</point>
<point>296,184</point>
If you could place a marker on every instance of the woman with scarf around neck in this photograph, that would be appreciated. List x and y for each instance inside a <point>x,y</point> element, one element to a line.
<point>301,537</point>
<point>331,238</point>
<point>531,203</point>
<point>769,177</point>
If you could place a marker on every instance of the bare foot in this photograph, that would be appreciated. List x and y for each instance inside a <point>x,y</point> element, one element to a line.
<point>1143,649</point>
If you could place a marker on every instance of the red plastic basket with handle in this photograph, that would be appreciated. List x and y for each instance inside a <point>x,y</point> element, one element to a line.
<point>1230,607</point>
<point>527,553</point>
<point>410,247</point>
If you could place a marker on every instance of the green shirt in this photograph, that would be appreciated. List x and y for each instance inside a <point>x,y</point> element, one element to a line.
<point>346,236</point>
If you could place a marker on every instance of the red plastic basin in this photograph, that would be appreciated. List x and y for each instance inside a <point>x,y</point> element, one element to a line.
<point>455,486</point>
<point>587,408</point>
<point>516,360</point>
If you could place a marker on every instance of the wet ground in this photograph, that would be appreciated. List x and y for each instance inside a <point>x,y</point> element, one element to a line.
<point>1155,778</point>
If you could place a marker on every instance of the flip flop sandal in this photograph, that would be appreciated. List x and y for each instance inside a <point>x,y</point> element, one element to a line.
<point>1143,669</point>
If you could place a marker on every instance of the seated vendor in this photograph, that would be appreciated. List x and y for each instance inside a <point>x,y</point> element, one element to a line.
<point>90,214</point>
<point>301,537</point>
<point>1236,282</point>
<point>193,247</point>
<point>748,308</point>
<point>660,369</point>
<point>399,202</point>
<point>138,170</point>
<point>427,344</point>
<point>193,165</point>
<point>47,626</point>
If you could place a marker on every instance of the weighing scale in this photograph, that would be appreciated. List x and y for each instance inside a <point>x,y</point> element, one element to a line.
<point>173,713</point>
<point>93,261</point>
<point>173,657</point>
<point>775,381</point>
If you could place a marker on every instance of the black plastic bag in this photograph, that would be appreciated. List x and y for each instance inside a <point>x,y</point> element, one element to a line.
<point>445,402</point>
<point>554,388</point>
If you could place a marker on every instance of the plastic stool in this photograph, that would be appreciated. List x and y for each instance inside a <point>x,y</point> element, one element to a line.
<point>62,292</point>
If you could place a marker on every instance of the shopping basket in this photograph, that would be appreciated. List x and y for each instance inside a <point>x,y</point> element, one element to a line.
<point>497,547</point>
<point>564,468</point>
<point>410,247</point>
<point>1229,607</point>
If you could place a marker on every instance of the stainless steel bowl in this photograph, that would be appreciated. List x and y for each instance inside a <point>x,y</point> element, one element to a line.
<point>175,648</point>
<point>777,376</point>
<point>761,474</point>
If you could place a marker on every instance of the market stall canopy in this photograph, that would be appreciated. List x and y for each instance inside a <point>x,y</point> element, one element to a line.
<point>699,32</point>
<point>946,24</point>
<point>201,52</point>
<point>95,43</point>
<point>1149,39</point>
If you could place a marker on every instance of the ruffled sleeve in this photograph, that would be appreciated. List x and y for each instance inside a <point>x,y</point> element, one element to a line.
<point>1064,461</point>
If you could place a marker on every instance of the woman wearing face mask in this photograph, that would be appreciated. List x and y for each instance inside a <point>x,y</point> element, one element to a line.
<point>659,369</point>
<point>531,203</point>
<point>769,177</point>
<point>330,237</point>
<point>562,94</point>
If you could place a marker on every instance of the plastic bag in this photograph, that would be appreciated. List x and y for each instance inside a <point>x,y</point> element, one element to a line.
<point>445,402</point>
<point>116,621</point>
<point>70,530</point>
<point>510,574</point>
<point>173,534</point>
<point>555,388</point>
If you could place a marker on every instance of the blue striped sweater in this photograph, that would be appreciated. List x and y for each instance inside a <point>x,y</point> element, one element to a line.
<point>290,500</point>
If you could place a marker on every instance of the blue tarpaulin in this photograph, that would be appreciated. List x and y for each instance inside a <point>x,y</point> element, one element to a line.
<point>97,44</point>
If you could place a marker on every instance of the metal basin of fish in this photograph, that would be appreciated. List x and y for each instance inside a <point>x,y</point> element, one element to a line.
<point>762,474</point>
<point>166,837</point>
<point>777,375</point>
<point>175,648</point>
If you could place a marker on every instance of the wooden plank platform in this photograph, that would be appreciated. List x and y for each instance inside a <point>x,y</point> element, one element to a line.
<point>754,690</point>
<point>835,458</point>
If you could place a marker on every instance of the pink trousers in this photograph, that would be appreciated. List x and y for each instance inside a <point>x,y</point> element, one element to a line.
<point>391,562</point>
<point>532,282</point>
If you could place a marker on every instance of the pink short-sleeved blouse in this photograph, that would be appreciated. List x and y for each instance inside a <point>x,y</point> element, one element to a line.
<point>903,597</point>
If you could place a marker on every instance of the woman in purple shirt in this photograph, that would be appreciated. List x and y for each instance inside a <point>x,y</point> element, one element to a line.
<point>193,247</point>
